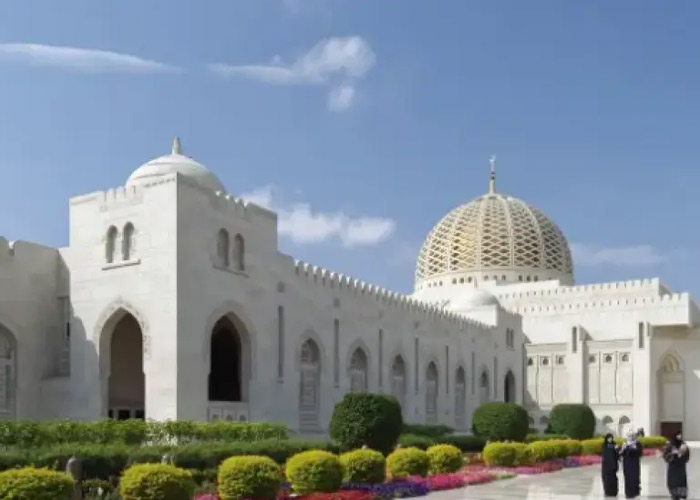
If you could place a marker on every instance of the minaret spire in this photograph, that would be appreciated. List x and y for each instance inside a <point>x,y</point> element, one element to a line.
<point>492,178</point>
<point>177,147</point>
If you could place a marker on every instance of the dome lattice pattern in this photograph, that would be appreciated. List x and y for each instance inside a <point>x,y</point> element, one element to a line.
<point>494,232</point>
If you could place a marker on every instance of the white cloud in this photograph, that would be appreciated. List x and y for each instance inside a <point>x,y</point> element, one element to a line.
<point>302,225</point>
<point>632,256</point>
<point>341,98</point>
<point>331,59</point>
<point>78,59</point>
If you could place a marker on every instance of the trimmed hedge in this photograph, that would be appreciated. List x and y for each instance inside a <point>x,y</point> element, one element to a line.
<point>35,484</point>
<point>156,482</point>
<point>26,434</point>
<point>507,454</point>
<point>432,431</point>
<point>314,471</point>
<point>365,419</point>
<point>253,477</point>
<point>501,421</point>
<point>444,458</point>
<point>531,438</point>
<point>465,443</point>
<point>574,420</point>
<point>363,466</point>
<point>405,462</point>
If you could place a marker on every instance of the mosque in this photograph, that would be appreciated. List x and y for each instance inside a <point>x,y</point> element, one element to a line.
<point>173,301</point>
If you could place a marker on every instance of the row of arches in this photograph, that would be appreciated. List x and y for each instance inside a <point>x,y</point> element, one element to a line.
<point>125,239</point>
<point>228,255</point>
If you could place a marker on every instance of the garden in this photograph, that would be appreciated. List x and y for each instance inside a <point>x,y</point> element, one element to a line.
<point>371,455</point>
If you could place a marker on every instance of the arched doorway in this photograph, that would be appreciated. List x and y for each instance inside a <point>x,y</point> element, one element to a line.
<point>8,374</point>
<point>127,382</point>
<point>226,363</point>
<point>358,371</point>
<point>484,388</point>
<point>398,380</point>
<point>509,388</point>
<point>624,425</point>
<point>460,399</point>
<point>309,386</point>
<point>431,394</point>
<point>671,402</point>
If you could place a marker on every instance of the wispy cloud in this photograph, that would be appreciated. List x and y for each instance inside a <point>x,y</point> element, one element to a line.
<point>336,62</point>
<point>78,59</point>
<point>630,256</point>
<point>302,225</point>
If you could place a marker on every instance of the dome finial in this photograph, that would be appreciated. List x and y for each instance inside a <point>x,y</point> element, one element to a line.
<point>177,147</point>
<point>492,178</point>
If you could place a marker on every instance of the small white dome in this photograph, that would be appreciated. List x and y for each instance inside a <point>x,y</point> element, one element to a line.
<point>175,162</point>
<point>473,299</point>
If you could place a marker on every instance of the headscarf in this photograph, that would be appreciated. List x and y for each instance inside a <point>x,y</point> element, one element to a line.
<point>677,440</point>
<point>631,439</point>
<point>609,438</point>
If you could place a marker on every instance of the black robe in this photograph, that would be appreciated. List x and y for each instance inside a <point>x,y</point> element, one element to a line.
<point>631,467</point>
<point>611,464</point>
<point>676,477</point>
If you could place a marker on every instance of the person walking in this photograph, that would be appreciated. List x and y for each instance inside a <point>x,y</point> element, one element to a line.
<point>611,464</point>
<point>631,454</point>
<point>676,454</point>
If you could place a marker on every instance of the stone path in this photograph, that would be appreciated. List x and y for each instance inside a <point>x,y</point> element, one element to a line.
<point>576,484</point>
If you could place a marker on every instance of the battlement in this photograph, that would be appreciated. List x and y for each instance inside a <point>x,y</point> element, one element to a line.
<point>346,284</point>
<point>25,253</point>
<point>577,292</point>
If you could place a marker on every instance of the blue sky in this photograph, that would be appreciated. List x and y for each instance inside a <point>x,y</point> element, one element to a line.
<point>364,122</point>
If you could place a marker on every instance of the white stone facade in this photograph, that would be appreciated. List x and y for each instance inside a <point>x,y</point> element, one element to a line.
<point>172,301</point>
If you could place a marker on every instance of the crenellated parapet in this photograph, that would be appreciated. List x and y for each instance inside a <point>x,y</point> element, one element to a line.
<point>578,292</point>
<point>24,253</point>
<point>346,285</point>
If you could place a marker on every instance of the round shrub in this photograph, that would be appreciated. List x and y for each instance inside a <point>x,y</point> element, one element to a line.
<point>653,441</point>
<point>444,458</point>
<point>542,451</point>
<point>573,447</point>
<point>314,471</point>
<point>506,454</point>
<point>576,421</point>
<point>416,441</point>
<point>35,484</point>
<point>250,476</point>
<point>592,446</point>
<point>155,482</point>
<point>501,422</point>
<point>364,419</point>
<point>363,466</point>
<point>406,462</point>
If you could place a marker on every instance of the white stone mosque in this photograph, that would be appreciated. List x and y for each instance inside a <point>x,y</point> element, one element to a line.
<point>173,301</point>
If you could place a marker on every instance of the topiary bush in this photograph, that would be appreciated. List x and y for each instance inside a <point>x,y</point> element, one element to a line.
<point>507,454</point>
<point>532,437</point>
<point>156,482</point>
<point>254,477</point>
<point>576,421</point>
<point>364,419</point>
<point>592,446</point>
<point>406,462</point>
<point>547,450</point>
<point>444,458</point>
<point>314,471</point>
<point>35,484</point>
<point>653,441</point>
<point>573,447</point>
<point>363,466</point>
<point>501,422</point>
<point>433,431</point>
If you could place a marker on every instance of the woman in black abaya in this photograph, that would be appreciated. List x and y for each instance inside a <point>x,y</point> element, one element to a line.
<point>676,455</point>
<point>611,464</point>
<point>631,454</point>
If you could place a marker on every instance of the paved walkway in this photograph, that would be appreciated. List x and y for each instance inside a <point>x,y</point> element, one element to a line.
<point>576,484</point>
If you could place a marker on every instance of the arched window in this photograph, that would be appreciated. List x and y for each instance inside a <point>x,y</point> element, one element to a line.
<point>111,244</point>
<point>431,394</point>
<point>223,247</point>
<point>358,371</point>
<point>309,386</point>
<point>398,379</point>
<point>128,241</point>
<point>460,398</point>
<point>239,252</point>
<point>624,425</point>
<point>509,388</point>
<point>8,367</point>
<point>484,387</point>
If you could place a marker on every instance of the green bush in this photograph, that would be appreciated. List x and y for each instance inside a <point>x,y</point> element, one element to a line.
<point>592,446</point>
<point>364,419</point>
<point>406,462</point>
<point>547,450</point>
<point>574,420</point>
<point>464,443</point>
<point>314,471</point>
<point>363,466</point>
<point>507,454</point>
<point>573,447</point>
<point>156,482</point>
<point>253,477</point>
<point>531,438</point>
<point>35,484</point>
<point>444,458</point>
<point>23,434</point>
<point>653,441</point>
<point>501,422</point>
<point>433,431</point>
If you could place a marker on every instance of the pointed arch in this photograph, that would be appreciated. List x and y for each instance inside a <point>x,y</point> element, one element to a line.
<point>111,244</point>
<point>309,385</point>
<point>239,252</point>
<point>431,393</point>
<point>128,241</point>
<point>671,402</point>
<point>357,370</point>
<point>484,389</point>
<point>223,248</point>
<point>8,374</point>
<point>509,388</point>
<point>460,398</point>
<point>398,379</point>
